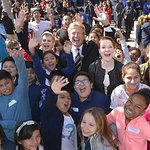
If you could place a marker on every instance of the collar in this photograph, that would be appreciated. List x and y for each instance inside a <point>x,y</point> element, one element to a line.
<point>89,98</point>
<point>74,50</point>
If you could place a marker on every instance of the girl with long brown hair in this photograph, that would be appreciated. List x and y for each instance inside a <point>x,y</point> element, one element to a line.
<point>94,131</point>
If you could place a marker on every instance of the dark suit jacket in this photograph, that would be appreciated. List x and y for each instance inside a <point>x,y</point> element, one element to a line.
<point>90,53</point>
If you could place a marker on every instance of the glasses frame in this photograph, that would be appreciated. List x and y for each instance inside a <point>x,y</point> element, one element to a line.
<point>78,83</point>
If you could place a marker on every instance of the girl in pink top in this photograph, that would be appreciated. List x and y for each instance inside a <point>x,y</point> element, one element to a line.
<point>132,127</point>
<point>147,116</point>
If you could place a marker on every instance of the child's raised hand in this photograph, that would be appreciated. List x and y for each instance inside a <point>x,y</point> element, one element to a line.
<point>19,19</point>
<point>49,10</point>
<point>58,83</point>
<point>78,18</point>
<point>98,11</point>
<point>101,17</point>
<point>67,47</point>
<point>24,7</point>
<point>33,42</point>
<point>118,31</point>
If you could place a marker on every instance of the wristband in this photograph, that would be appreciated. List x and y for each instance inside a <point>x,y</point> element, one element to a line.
<point>107,26</point>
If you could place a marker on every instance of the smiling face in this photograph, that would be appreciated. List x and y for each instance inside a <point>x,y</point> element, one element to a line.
<point>36,15</point>
<point>6,86</point>
<point>50,62</point>
<point>10,67</point>
<point>76,36</point>
<point>66,21</point>
<point>134,107</point>
<point>83,87</point>
<point>131,79</point>
<point>134,55</point>
<point>33,142</point>
<point>47,43</point>
<point>106,50</point>
<point>118,55</point>
<point>63,102</point>
<point>88,125</point>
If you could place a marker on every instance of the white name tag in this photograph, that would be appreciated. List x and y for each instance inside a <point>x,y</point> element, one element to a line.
<point>134,130</point>
<point>75,109</point>
<point>12,103</point>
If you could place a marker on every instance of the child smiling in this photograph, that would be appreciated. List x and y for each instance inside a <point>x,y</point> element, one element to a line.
<point>133,129</point>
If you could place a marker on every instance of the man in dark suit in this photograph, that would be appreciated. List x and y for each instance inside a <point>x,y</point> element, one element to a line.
<point>88,51</point>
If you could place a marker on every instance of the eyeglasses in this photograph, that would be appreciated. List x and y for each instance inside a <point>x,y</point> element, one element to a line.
<point>15,48</point>
<point>81,82</point>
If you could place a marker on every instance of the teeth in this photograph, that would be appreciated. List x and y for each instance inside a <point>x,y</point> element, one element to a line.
<point>76,40</point>
<point>82,90</point>
<point>51,65</point>
<point>128,111</point>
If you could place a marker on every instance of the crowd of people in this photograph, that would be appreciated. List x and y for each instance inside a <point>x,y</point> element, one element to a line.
<point>68,78</point>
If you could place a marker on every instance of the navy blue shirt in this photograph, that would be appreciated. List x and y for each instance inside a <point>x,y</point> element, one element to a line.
<point>95,99</point>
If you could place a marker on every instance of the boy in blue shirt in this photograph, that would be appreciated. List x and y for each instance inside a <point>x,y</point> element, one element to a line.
<point>14,100</point>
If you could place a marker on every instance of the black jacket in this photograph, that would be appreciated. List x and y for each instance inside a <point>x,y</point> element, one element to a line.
<point>97,73</point>
<point>90,54</point>
<point>51,122</point>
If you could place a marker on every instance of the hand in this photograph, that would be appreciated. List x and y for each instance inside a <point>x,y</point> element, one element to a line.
<point>51,19</point>
<point>67,47</point>
<point>19,20</point>
<point>78,18</point>
<point>98,10</point>
<point>101,17</point>
<point>118,31</point>
<point>33,42</point>
<point>49,10</point>
<point>57,84</point>
<point>24,7</point>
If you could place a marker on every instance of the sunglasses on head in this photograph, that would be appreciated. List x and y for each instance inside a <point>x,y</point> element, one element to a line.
<point>14,48</point>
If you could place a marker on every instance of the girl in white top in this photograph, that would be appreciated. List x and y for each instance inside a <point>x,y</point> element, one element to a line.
<point>132,78</point>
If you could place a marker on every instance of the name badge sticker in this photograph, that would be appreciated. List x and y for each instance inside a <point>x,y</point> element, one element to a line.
<point>134,130</point>
<point>12,102</point>
<point>75,109</point>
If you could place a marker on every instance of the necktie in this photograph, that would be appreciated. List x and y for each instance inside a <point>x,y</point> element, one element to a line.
<point>78,61</point>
